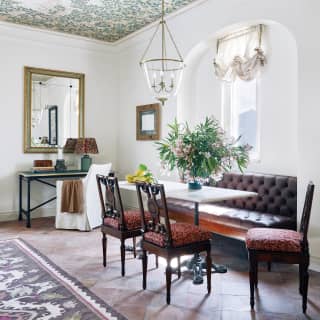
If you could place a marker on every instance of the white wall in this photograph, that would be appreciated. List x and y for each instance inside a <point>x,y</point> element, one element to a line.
<point>292,133</point>
<point>105,100</point>
<point>200,96</point>
<point>22,47</point>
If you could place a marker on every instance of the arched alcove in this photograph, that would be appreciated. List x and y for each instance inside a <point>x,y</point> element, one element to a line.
<point>200,95</point>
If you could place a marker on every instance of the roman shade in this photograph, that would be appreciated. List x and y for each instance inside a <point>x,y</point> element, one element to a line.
<point>240,54</point>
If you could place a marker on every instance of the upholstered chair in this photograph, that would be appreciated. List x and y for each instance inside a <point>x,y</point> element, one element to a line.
<point>90,215</point>
<point>168,240</point>
<point>284,246</point>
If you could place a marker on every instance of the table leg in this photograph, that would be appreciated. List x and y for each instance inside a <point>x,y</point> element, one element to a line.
<point>196,213</point>
<point>28,223</point>
<point>20,197</point>
<point>129,248</point>
<point>197,264</point>
<point>197,267</point>
<point>216,268</point>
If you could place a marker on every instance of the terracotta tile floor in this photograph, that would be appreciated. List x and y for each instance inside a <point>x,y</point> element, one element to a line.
<point>79,253</point>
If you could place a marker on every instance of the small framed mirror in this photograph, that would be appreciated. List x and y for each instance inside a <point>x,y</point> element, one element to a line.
<point>148,122</point>
<point>53,108</point>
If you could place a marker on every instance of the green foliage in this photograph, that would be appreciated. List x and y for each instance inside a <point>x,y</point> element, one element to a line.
<point>203,152</point>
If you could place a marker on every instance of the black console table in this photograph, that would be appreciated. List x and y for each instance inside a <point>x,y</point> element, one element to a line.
<point>29,176</point>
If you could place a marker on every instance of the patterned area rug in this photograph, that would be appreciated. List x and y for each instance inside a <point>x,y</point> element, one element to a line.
<point>33,287</point>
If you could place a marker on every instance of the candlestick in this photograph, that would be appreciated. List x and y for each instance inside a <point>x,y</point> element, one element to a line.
<point>60,154</point>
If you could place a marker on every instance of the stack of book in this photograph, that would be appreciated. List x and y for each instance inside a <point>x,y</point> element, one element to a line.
<point>42,166</point>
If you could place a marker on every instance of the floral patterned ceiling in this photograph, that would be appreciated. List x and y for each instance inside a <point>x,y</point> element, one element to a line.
<point>106,20</point>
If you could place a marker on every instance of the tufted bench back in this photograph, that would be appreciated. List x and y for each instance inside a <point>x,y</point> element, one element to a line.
<point>276,194</point>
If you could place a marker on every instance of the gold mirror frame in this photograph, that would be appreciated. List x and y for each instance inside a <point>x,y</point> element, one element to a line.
<point>28,71</point>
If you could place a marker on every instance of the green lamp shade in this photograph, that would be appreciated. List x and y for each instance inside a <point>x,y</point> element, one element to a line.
<point>85,162</point>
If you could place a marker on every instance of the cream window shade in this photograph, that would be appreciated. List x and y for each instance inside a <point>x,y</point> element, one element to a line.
<point>240,54</point>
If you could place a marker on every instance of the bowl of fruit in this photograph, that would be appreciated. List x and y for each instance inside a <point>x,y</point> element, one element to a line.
<point>142,174</point>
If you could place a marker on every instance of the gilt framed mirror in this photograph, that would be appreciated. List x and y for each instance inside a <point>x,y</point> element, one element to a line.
<point>53,108</point>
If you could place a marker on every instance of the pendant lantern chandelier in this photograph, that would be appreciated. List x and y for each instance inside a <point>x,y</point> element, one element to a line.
<point>163,74</point>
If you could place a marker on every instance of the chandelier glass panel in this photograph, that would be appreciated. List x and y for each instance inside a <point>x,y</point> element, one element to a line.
<point>163,74</point>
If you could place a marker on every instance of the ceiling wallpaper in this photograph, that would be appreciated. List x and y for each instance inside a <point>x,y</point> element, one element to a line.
<point>106,20</point>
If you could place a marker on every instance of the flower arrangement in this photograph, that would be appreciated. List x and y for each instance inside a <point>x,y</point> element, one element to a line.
<point>202,153</point>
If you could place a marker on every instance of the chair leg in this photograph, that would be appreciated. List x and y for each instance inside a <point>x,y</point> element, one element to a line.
<point>269,266</point>
<point>305,283</point>
<point>144,269</point>
<point>168,280</point>
<point>123,255</point>
<point>209,266</point>
<point>104,249</point>
<point>179,267</point>
<point>300,277</point>
<point>256,275</point>
<point>157,262</point>
<point>252,276</point>
<point>134,247</point>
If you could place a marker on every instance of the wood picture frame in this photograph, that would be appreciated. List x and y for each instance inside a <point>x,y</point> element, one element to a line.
<point>148,122</point>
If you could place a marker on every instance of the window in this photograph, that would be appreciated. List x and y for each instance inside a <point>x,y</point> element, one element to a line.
<point>239,113</point>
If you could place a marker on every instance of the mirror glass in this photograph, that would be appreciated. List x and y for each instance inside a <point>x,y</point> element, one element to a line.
<point>53,108</point>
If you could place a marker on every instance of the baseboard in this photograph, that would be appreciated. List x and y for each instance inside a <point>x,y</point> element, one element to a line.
<point>40,213</point>
<point>8,216</point>
<point>315,264</point>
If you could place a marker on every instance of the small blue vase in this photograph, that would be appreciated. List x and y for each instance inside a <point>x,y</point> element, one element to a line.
<point>194,185</point>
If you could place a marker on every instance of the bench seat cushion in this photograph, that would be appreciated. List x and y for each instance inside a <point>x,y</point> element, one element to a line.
<point>241,218</point>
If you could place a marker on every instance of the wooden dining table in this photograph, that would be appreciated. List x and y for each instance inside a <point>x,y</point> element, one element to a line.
<point>178,190</point>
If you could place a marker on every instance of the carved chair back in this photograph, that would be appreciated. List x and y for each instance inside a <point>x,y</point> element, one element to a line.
<point>305,219</point>
<point>156,204</point>
<point>110,199</point>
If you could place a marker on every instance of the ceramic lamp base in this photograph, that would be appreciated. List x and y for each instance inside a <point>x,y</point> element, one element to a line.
<point>86,162</point>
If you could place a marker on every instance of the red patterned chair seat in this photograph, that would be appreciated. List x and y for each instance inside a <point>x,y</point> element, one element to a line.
<point>132,219</point>
<point>182,234</point>
<point>273,240</point>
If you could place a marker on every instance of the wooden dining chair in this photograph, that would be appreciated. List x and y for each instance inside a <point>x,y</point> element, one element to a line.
<point>115,221</point>
<point>284,246</point>
<point>168,240</point>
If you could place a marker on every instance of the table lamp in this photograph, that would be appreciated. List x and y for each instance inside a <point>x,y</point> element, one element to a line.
<point>85,146</point>
<point>70,145</point>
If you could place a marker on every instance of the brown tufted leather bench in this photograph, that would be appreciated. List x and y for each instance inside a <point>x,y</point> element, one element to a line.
<point>275,206</point>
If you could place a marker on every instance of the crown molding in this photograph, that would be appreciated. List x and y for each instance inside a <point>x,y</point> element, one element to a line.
<point>52,38</point>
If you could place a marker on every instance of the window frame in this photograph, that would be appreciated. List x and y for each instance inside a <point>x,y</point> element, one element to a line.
<point>227,119</point>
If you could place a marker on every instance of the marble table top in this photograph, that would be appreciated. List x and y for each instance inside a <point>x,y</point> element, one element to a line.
<point>180,191</point>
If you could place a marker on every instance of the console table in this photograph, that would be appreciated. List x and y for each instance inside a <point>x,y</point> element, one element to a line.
<point>29,176</point>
